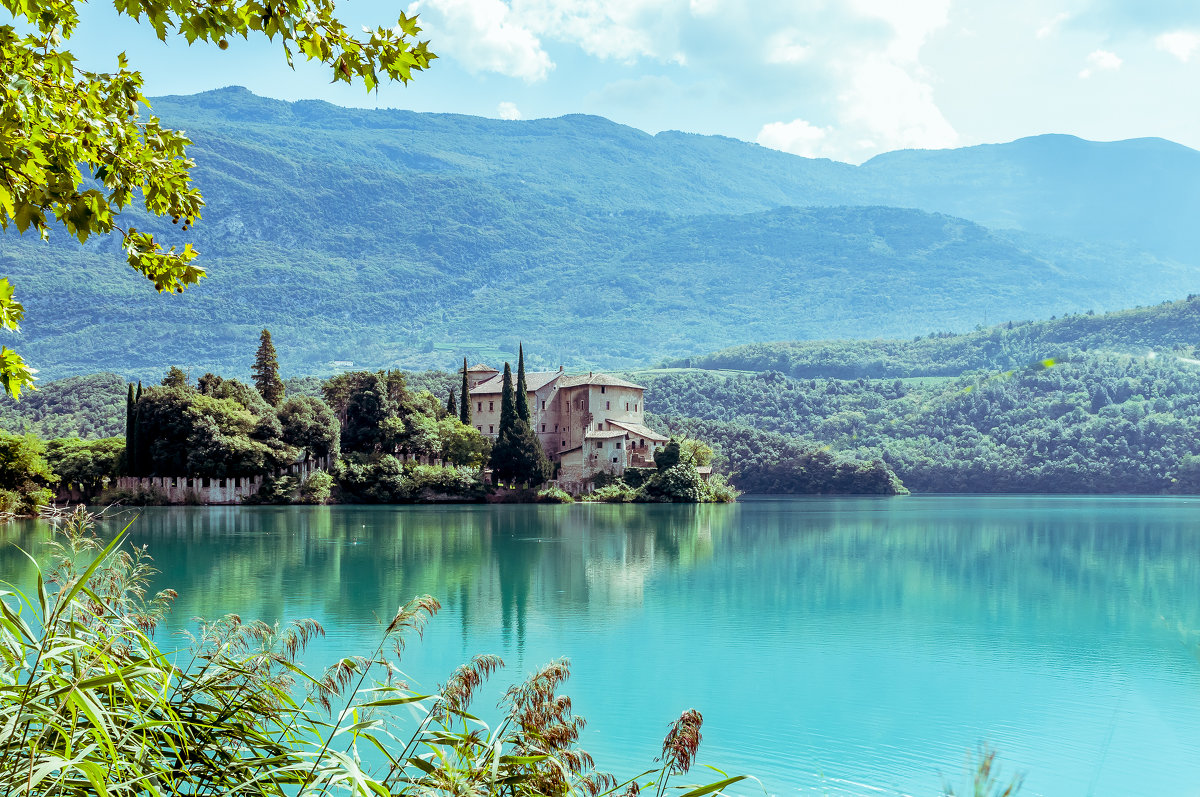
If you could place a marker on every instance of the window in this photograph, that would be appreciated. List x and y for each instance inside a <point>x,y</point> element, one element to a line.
<point>543,427</point>
<point>479,406</point>
<point>602,388</point>
<point>599,444</point>
<point>480,428</point>
<point>635,408</point>
<point>489,428</point>
<point>564,444</point>
<point>491,407</point>
<point>617,445</point>
<point>627,406</point>
<point>600,426</point>
<point>608,405</point>
<point>543,405</point>
<point>556,427</point>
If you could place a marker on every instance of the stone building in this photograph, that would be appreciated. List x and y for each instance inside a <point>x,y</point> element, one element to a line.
<point>588,423</point>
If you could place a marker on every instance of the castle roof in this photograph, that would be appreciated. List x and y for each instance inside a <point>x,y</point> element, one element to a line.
<point>533,381</point>
<point>480,368</point>
<point>638,430</point>
<point>605,435</point>
<point>597,379</point>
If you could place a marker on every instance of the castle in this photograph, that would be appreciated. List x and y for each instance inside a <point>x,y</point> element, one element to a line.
<point>588,423</point>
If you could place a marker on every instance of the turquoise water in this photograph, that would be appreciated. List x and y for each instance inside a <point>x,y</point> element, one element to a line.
<point>834,646</point>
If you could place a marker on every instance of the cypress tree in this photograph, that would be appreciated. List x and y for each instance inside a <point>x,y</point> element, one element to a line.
<point>266,371</point>
<point>451,406</point>
<point>522,391</point>
<point>141,450</point>
<point>517,455</point>
<point>464,398</point>
<point>130,433</point>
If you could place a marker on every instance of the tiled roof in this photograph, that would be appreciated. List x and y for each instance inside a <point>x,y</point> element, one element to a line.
<point>533,381</point>
<point>597,379</point>
<point>638,430</point>
<point>605,435</point>
<point>480,367</point>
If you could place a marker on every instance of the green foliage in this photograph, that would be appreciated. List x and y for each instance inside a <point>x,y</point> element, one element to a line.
<point>463,445</point>
<point>517,456</point>
<point>1169,327</point>
<point>91,705</point>
<point>25,476</point>
<point>182,432</point>
<point>668,456</point>
<point>308,424</point>
<point>384,480</point>
<point>266,371</point>
<point>90,462</point>
<point>678,483</point>
<point>77,148</point>
<point>176,378</point>
<point>316,488</point>
<point>484,200</point>
<point>1037,429</point>
<point>615,493</point>
<point>554,495</point>
<point>78,406</point>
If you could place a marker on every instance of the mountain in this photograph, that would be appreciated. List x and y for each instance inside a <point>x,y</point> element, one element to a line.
<point>395,238</point>
<point>1168,328</point>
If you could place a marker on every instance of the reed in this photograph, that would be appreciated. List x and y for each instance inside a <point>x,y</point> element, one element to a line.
<point>91,705</point>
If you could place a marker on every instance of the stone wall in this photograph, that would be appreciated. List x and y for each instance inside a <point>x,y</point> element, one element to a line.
<point>198,490</point>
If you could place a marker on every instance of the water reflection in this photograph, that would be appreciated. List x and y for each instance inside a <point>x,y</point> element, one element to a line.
<point>830,643</point>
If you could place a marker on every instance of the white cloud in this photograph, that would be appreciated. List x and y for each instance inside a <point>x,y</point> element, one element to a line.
<point>485,36</point>
<point>1100,61</point>
<point>1180,43</point>
<point>785,47</point>
<point>798,137</point>
<point>886,107</point>
<point>1051,25</point>
<point>508,110</point>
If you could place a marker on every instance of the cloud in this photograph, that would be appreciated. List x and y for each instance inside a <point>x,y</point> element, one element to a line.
<point>785,47</point>
<point>1100,61</point>
<point>798,137</point>
<point>484,36</point>
<point>1052,25</point>
<point>1180,43</point>
<point>508,110</point>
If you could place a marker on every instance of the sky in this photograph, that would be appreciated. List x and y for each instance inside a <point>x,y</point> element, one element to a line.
<point>842,79</point>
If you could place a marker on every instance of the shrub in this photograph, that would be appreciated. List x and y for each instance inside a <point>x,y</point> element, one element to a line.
<point>618,493</point>
<point>720,491</point>
<point>554,495</point>
<point>92,705</point>
<point>680,483</point>
<point>316,488</point>
<point>138,496</point>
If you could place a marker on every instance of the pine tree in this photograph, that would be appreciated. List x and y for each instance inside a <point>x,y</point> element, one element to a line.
<point>130,433</point>
<point>508,409</point>
<point>451,405</point>
<point>464,398</point>
<point>266,371</point>
<point>522,389</point>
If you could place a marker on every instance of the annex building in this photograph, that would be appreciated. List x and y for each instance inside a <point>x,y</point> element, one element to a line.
<point>588,423</point>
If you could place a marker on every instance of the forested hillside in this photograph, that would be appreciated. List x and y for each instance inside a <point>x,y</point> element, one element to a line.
<point>1170,327</point>
<point>1097,423</point>
<point>385,238</point>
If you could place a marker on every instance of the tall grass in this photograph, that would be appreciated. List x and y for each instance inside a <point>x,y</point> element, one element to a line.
<point>91,705</point>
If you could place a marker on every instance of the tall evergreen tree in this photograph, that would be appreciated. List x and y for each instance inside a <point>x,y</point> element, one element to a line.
<point>141,450</point>
<point>517,455</point>
<point>451,405</point>
<point>464,398</point>
<point>522,389</point>
<point>130,433</point>
<point>266,371</point>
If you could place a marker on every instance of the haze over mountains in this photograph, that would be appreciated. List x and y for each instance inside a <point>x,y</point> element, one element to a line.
<point>396,238</point>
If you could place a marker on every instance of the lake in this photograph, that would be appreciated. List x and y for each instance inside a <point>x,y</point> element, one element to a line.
<point>834,646</point>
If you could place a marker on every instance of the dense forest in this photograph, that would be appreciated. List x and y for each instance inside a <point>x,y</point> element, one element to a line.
<point>1168,327</point>
<point>1097,423</point>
